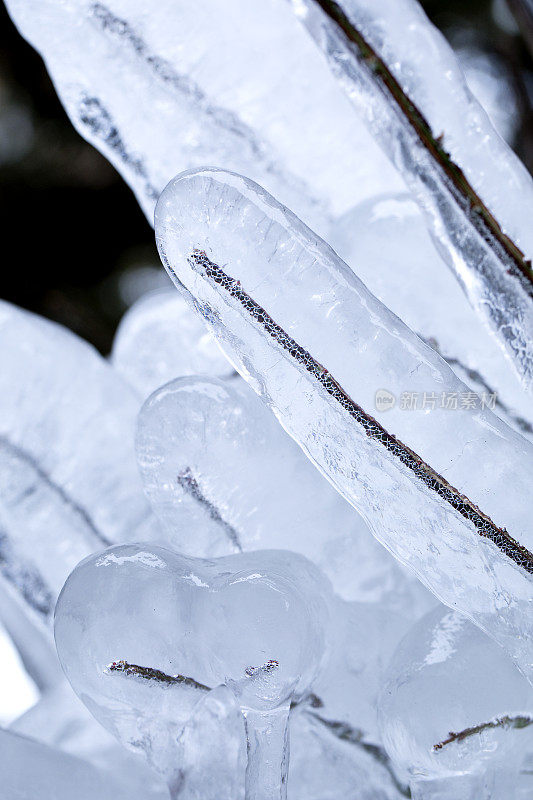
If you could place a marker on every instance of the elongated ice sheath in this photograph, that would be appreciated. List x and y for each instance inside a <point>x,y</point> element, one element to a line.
<point>406,84</point>
<point>445,489</point>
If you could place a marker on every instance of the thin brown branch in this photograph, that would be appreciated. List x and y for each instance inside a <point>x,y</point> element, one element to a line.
<point>189,484</point>
<point>478,213</point>
<point>150,674</point>
<point>507,722</point>
<point>422,471</point>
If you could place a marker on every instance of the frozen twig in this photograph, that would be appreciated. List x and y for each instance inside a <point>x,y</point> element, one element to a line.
<point>506,722</point>
<point>490,264</point>
<point>422,471</point>
<point>150,674</point>
<point>189,484</point>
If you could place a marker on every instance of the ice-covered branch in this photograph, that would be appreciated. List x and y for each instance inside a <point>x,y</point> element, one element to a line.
<point>68,480</point>
<point>507,722</point>
<point>406,84</point>
<point>443,487</point>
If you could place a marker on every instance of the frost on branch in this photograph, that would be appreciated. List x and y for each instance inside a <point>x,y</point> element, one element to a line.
<point>408,87</point>
<point>443,491</point>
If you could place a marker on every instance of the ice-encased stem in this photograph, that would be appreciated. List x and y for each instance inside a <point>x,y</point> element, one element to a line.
<point>268,754</point>
<point>444,490</point>
<point>490,265</point>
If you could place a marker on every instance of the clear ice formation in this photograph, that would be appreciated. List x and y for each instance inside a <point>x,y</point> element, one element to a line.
<point>144,633</point>
<point>387,242</point>
<point>406,83</point>
<point>444,489</point>
<point>154,105</point>
<point>29,769</point>
<point>445,682</point>
<point>68,478</point>
<point>215,462</point>
<point>159,339</point>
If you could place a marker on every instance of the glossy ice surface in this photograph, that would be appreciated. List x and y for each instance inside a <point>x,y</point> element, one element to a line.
<point>255,622</point>
<point>68,478</point>
<point>438,487</point>
<point>154,105</point>
<point>447,676</point>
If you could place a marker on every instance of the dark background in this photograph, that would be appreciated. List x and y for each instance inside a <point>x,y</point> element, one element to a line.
<point>87,233</point>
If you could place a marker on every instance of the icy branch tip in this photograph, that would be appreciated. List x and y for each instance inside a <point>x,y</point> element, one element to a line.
<point>150,674</point>
<point>513,723</point>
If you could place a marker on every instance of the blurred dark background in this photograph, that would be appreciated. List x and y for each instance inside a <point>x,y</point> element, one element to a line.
<point>89,246</point>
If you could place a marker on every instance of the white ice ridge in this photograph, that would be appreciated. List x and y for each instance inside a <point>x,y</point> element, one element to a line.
<point>443,489</point>
<point>180,85</point>
<point>68,477</point>
<point>407,85</point>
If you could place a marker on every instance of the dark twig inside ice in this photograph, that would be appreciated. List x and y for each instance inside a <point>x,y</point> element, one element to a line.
<point>189,484</point>
<point>475,210</point>
<point>370,426</point>
<point>506,722</point>
<point>150,674</point>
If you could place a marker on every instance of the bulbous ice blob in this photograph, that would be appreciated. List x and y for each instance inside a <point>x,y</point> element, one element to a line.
<point>143,633</point>
<point>443,488</point>
<point>451,700</point>
<point>159,339</point>
<point>223,477</point>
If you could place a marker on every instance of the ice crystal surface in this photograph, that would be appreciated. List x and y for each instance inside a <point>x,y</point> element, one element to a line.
<point>443,489</point>
<point>386,241</point>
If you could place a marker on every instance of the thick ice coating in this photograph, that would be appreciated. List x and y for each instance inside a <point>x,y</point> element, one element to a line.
<point>386,240</point>
<point>68,478</point>
<point>180,85</point>
<point>406,83</point>
<point>144,634</point>
<point>452,702</point>
<point>443,489</point>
